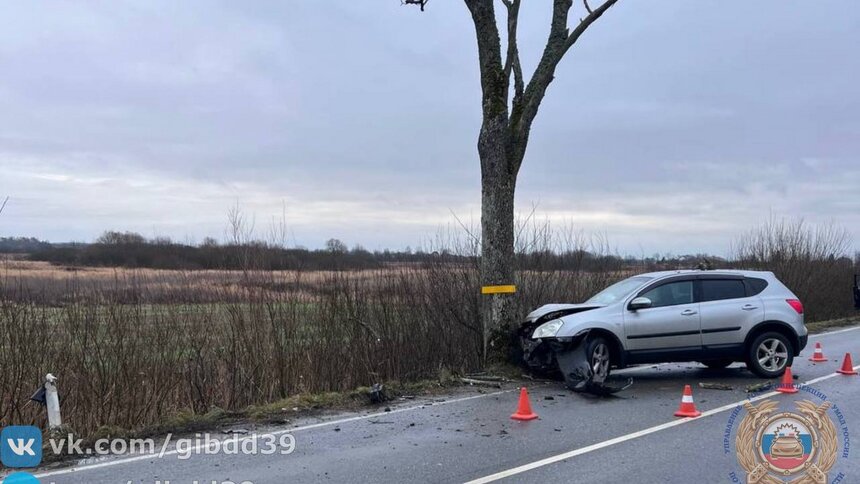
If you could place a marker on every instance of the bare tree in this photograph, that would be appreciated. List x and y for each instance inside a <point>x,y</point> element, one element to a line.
<point>240,233</point>
<point>336,246</point>
<point>508,113</point>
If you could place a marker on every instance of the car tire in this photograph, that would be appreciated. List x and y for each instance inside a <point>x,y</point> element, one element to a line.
<point>769,354</point>
<point>599,353</point>
<point>717,364</point>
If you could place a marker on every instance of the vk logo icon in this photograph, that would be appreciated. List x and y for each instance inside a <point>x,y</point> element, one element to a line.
<point>21,446</point>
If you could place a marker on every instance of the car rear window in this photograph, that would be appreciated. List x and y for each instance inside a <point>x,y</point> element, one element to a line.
<point>755,285</point>
<point>719,289</point>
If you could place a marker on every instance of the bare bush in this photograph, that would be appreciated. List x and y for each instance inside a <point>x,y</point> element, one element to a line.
<point>812,261</point>
<point>127,363</point>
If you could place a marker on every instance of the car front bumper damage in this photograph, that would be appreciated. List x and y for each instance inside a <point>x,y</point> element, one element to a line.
<point>568,356</point>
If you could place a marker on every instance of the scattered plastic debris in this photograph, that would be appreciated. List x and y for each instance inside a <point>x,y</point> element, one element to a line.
<point>473,381</point>
<point>757,387</point>
<point>715,386</point>
<point>377,393</point>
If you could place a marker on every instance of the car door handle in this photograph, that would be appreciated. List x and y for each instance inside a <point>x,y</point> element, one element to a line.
<point>749,307</point>
<point>689,312</point>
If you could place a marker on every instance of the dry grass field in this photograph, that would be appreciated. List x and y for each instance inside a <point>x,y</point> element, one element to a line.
<point>55,284</point>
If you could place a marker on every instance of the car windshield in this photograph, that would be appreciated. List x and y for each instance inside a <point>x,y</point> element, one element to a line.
<point>618,291</point>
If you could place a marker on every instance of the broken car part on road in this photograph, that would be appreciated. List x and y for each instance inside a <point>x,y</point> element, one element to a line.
<point>588,374</point>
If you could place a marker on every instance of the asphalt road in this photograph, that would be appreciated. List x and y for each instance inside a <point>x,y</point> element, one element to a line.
<point>469,435</point>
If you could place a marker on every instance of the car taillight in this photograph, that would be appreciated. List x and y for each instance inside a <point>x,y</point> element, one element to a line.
<point>796,304</point>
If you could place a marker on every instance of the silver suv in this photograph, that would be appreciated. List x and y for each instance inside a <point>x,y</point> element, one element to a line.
<point>715,317</point>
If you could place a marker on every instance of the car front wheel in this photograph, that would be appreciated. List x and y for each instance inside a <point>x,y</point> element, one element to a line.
<point>599,358</point>
<point>769,355</point>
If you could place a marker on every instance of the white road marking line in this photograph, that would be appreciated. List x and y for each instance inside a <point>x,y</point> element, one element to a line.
<point>624,438</point>
<point>198,448</point>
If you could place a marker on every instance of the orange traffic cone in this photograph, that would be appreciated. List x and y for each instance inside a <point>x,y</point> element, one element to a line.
<point>818,356</point>
<point>847,366</point>
<point>524,409</point>
<point>787,384</point>
<point>687,408</point>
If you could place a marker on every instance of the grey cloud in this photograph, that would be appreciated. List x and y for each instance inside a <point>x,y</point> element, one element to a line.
<point>674,124</point>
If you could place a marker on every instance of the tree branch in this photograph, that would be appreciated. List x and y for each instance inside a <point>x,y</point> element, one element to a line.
<point>512,62</point>
<point>560,40</point>
<point>4,204</point>
<point>493,82</point>
<point>523,114</point>
<point>420,3</point>
<point>586,22</point>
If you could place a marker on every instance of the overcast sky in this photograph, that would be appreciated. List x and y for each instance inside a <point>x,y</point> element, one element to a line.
<point>671,126</point>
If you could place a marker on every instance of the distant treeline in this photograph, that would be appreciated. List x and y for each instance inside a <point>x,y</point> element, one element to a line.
<point>132,250</point>
<point>115,249</point>
<point>21,245</point>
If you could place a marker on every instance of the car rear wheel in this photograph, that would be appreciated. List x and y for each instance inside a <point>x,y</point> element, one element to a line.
<point>599,358</point>
<point>769,355</point>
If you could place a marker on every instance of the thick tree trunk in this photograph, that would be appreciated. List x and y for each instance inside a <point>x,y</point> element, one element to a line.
<point>498,185</point>
<point>505,134</point>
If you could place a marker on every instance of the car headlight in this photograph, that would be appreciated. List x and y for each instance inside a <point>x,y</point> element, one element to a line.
<point>548,330</point>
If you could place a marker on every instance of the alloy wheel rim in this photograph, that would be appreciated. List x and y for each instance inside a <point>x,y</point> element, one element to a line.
<point>600,360</point>
<point>772,354</point>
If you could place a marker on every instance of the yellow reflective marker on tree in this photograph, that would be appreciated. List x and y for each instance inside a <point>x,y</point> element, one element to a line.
<point>508,289</point>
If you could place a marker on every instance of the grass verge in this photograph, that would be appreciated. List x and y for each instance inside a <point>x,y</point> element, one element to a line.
<point>821,326</point>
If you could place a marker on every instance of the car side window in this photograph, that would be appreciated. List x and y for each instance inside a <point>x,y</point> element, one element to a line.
<point>671,294</point>
<point>721,289</point>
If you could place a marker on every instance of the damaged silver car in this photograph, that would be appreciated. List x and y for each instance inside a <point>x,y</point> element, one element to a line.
<point>714,317</point>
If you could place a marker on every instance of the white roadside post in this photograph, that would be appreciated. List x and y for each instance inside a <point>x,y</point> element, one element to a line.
<point>52,402</point>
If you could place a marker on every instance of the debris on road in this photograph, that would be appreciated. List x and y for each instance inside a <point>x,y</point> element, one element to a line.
<point>715,386</point>
<point>534,379</point>
<point>757,387</point>
<point>472,381</point>
<point>234,431</point>
<point>377,393</point>
<point>485,377</point>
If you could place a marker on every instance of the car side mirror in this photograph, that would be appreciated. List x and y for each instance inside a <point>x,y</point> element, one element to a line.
<point>639,303</point>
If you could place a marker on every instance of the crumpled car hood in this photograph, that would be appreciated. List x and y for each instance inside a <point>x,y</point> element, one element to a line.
<point>565,308</point>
